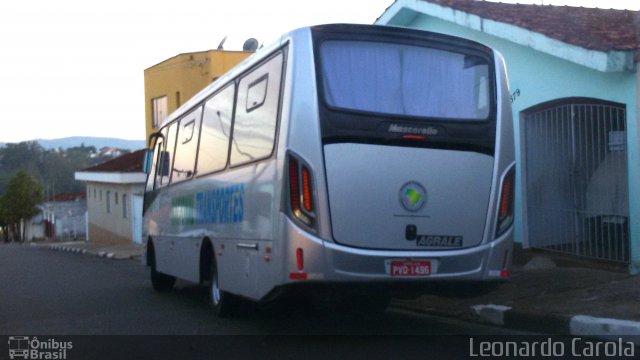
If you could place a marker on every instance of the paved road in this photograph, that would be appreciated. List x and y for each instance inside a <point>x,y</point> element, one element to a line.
<point>57,293</point>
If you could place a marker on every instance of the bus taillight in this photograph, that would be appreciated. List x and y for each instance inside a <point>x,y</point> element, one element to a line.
<point>306,190</point>
<point>301,191</point>
<point>294,185</point>
<point>505,211</point>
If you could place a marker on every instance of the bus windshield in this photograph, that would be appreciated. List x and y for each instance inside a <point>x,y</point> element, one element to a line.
<point>405,80</point>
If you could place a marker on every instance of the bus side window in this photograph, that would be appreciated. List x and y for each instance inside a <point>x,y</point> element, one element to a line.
<point>164,163</point>
<point>184,162</point>
<point>257,93</point>
<point>153,166</point>
<point>216,127</point>
<point>164,167</point>
<point>256,113</point>
<point>160,159</point>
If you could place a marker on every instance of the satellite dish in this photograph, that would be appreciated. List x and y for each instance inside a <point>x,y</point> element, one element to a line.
<point>221,45</point>
<point>250,45</point>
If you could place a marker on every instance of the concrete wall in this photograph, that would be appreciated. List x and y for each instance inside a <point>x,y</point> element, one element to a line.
<point>115,225</point>
<point>98,234</point>
<point>68,218</point>
<point>35,228</point>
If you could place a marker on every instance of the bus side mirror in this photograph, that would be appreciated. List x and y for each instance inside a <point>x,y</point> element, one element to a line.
<point>165,157</point>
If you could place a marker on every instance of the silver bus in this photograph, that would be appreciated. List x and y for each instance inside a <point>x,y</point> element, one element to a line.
<point>342,157</point>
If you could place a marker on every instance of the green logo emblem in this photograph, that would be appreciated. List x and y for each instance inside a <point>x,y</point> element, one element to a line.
<point>413,196</point>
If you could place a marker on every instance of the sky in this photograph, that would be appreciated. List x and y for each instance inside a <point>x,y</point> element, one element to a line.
<point>75,67</point>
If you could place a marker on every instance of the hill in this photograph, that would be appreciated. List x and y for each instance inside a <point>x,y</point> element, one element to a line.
<point>54,168</point>
<point>97,142</point>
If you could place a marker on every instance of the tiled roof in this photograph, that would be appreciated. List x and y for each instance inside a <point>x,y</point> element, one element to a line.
<point>590,28</point>
<point>127,163</point>
<point>68,196</point>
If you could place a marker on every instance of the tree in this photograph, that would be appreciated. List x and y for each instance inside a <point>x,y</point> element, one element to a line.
<point>53,169</point>
<point>21,156</point>
<point>20,200</point>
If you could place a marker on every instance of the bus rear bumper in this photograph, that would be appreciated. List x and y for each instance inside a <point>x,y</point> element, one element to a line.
<point>330,262</point>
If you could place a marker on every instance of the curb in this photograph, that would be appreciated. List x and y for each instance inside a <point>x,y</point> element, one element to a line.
<point>104,254</point>
<point>573,325</point>
<point>67,249</point>
<point>514,319</point>
<point>608,329</point>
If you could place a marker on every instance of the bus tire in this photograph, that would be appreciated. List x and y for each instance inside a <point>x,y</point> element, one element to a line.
<point>159,281</point>
<point>222,303</point>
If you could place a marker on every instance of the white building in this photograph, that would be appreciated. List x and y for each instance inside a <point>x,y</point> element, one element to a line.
<point>61,218</point>
<point>115,191</point>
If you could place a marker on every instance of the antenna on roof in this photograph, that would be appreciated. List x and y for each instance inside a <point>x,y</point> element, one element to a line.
<point>221,45</point>
<point>250,45</point>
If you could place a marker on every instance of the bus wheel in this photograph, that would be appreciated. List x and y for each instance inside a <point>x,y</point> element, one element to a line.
<point>160,282</point>
<point>222,303</point>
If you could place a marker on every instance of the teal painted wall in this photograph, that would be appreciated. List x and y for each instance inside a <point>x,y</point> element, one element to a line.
<point>540,78</point>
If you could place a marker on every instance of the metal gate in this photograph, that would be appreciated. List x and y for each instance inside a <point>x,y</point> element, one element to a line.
<point>575,179</point>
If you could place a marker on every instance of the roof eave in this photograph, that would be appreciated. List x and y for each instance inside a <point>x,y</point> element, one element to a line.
<point>404,12</point>
<point>112,177</point>
<point>612,61</point>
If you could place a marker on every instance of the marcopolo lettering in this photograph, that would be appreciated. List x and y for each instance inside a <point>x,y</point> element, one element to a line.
<point>451,241</point>
<point>413,130</point>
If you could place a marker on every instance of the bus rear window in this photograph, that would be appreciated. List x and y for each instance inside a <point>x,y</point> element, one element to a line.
<point>405,80</point>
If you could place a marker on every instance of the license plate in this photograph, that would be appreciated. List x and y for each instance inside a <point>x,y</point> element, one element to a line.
<point>410,268</point>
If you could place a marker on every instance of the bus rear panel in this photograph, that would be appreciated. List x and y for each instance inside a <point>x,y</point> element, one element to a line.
<point>413,159</point>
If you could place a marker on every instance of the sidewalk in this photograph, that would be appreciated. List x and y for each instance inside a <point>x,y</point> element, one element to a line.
<point>572,299</point>
<point>111,251</point>
<point>545,293</point>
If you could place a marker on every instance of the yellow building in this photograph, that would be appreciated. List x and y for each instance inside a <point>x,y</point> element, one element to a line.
<point>170,83</point>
